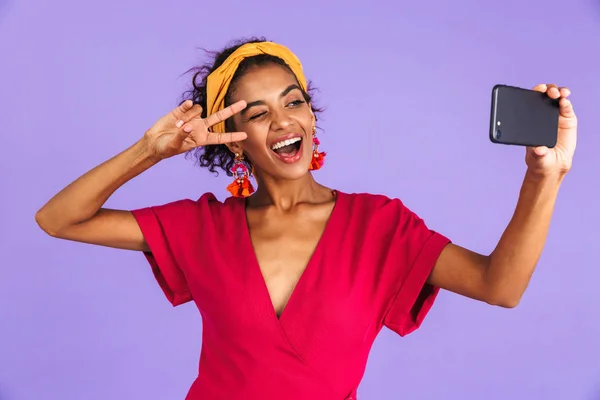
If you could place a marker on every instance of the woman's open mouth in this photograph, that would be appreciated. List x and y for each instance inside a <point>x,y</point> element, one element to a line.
<point>288,151</point>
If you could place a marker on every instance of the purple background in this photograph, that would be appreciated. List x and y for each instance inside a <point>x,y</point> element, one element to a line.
<point>407,92</point>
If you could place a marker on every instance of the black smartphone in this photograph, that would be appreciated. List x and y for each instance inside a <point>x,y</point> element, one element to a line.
<point>523,117</point>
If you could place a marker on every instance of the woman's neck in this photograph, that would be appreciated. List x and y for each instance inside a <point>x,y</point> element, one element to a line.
<point>285,194</point>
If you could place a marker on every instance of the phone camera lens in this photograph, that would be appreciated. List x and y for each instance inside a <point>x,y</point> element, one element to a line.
<point>498,133</point>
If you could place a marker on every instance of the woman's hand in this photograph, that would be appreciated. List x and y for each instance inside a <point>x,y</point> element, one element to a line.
<point>183,129</point>
<point>542,161</point>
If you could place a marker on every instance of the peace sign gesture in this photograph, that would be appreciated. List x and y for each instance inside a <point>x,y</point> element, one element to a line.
<point>183,129</point>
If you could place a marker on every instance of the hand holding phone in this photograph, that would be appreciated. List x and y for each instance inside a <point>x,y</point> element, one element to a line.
<point>543,120</point>
<point>523,117</point>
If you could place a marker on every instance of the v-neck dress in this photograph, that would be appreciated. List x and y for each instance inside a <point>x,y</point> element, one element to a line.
<point>369,270</point>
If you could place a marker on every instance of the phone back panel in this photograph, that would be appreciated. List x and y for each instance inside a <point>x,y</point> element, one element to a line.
<point>523,117</point>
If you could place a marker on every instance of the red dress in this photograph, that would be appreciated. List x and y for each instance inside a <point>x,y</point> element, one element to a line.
<point>369,270</point>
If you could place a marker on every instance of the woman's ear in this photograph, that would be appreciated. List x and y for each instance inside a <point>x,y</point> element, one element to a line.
<point>235,147</point>
<point>313,117</point>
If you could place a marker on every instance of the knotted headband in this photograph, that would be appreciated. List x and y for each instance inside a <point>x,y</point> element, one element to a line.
<point>219,80</point>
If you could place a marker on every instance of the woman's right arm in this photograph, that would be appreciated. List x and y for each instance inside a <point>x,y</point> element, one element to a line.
<point>76,213</point>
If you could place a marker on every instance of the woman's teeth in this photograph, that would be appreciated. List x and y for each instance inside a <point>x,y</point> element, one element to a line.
<point>284,143</point>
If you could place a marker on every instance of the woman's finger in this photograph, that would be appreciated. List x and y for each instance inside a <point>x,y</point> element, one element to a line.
<point>213,138</point>
<point>225,113</point>
<point>565,92</point>
<point>552,91</point>
<point>189,115</point>
<point>180,110</point>
<point>566,108</point>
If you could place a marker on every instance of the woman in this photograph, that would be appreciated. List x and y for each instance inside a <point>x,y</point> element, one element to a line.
<point>294,281</point>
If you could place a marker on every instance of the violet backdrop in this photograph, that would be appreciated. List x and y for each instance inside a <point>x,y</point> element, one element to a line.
<point>406,89</point>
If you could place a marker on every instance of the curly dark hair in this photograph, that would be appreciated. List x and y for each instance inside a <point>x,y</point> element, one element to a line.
<point>219,156</point>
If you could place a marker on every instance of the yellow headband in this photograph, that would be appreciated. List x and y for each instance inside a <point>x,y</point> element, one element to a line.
<point>218,81</point>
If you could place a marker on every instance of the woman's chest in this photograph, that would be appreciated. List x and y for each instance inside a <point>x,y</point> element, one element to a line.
<point>324,283</point>
<point>284,248</point>
<point>286,275</point>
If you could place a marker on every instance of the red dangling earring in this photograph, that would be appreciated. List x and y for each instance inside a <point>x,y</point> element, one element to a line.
<point>318,159</point>
<point>241,185</point>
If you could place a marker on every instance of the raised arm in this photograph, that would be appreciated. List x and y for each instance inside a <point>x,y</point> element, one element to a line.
<point>76,213</point>
<point>502,277</point>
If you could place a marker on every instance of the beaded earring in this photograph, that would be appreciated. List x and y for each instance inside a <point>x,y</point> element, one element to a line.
<point>318,158</point>
<point>241,185</point>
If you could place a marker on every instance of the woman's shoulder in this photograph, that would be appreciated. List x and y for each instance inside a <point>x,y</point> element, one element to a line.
<point>205,203</point>
<point>375,207</point>
<point>370,200</point>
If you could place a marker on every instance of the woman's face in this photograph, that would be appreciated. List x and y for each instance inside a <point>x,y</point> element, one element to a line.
<point>278,121</point>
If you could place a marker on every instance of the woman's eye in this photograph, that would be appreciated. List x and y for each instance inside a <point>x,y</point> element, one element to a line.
<point>294,103</point>
<point>256,116</point>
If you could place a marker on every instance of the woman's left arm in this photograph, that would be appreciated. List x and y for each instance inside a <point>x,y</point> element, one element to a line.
<point>502,277</point>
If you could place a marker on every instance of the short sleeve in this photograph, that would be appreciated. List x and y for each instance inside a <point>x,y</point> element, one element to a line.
<point>416,250</point>
<point>163,228</point>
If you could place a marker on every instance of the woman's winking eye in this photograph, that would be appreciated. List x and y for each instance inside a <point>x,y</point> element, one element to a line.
<point>293,104</point>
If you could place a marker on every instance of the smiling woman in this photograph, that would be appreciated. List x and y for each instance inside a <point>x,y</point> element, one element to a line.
<point>219,156</point>
<point>294,281</point>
